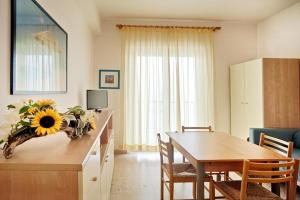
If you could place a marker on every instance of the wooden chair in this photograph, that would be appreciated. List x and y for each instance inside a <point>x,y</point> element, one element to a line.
<point>175,172</point>
<point>189,128</point>
<point>254,173</point>
<point>208,129</point>
<point>277,145</point>
<point>274,144</point>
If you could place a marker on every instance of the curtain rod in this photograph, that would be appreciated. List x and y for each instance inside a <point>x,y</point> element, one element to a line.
<point>213,28</point>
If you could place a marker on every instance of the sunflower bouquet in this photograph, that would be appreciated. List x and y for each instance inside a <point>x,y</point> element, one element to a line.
<point>40,118</point>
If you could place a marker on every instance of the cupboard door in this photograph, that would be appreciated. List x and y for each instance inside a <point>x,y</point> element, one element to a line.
<point>91,176</point>
<point>103,184</point>
<point>237,85</point>
<point>281,93</point>
<point>253,95</point>
<point>110,165</point>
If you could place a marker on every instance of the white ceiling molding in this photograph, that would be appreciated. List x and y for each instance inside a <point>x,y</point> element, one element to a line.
<point>236,10</point>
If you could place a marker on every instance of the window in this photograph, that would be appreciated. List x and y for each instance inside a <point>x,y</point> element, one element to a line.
<point>168,83</point>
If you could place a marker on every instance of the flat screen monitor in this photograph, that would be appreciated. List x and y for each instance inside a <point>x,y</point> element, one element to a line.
<point>97,99</point>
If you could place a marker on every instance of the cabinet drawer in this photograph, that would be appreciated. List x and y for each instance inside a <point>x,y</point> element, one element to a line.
<point>91,176</point>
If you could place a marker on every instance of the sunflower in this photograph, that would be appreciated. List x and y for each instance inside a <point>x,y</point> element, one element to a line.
<point>45,102</point>
<point>92,123</point>
<point>32,110</point>
<point>46,122</point>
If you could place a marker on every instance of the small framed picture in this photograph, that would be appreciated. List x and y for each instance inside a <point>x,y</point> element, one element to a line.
<point>109,79</point>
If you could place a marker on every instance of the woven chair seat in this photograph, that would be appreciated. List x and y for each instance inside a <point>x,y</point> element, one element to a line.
<point>254,191</point>
<point>183,170</point>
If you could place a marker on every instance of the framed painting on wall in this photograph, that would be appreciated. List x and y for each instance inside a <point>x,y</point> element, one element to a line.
<point>109,79</point>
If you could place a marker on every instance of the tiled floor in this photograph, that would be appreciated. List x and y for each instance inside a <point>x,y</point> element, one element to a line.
<point>136,177</point>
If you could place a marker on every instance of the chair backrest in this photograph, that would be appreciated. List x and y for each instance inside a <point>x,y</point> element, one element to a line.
<point>203,128</point>
<point>279,172</point>
<point>280,146</point>
<point>165,153</point>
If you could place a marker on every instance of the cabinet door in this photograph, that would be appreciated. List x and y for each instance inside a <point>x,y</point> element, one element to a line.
<point>237,85</point>
<point>91,177</point>
<point>103,182</point>
<point>281,93</point>
<point>253,95</point>
<point>110,165</point>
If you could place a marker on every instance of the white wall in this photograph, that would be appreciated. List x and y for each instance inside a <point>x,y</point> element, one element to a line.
<point>236,42</point>
<point>279,35</point>
<point>80,54</point>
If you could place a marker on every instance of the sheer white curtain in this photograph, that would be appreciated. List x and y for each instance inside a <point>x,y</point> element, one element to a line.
<point>168,82</point>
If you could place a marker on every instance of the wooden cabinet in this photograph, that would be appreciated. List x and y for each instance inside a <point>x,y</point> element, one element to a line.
<point>55,167</point>
<point>264,93</point>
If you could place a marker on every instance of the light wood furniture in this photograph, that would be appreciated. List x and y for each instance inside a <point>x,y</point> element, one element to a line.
<point>107,168</point>
<point>218,152</point>
<point>195,128</point>
<point>254,173</point>
<point>189,128</point>
<point>176,172</point>
<point>277,145</point>
<point>55,167</point>
<point>205,128</point>
<point>264,93</point>
<point>274,144</point>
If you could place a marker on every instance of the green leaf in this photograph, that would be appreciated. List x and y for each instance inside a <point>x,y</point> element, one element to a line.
<point>35,105</point>
<point>10,106</point>
<point>69,118</point>
<point>24,123</point>
<point>23,109</point>
<point>75,109</point>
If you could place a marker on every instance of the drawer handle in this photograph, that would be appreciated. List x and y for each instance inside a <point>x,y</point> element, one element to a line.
<point>94,153</point>
<point>94,179</point>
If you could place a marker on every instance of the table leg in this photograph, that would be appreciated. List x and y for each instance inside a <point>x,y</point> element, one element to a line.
<point>200,181</point>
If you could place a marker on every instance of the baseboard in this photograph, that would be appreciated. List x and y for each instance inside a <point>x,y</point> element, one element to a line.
<point>120,151</point>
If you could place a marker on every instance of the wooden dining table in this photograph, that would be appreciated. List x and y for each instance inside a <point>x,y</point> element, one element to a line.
<point>212,152</point>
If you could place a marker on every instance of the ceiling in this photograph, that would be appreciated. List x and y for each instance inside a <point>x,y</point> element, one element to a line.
<point>240,10</point>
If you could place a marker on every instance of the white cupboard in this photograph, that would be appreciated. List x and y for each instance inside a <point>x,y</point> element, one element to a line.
<point>246,97</point>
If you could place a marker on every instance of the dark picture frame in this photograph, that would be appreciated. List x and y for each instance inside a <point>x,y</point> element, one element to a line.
<point>55,81</point>
<point>109,79</point>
